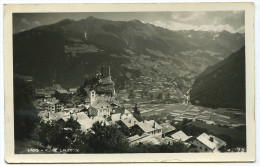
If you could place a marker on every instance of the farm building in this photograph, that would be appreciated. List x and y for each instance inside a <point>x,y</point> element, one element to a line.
<point>208,143</point>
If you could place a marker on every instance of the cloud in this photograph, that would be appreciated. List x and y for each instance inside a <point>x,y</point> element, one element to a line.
<point>36,23</point>
<point>187,16</point>
<point>21,30</point>
<point>241,29</point>
<point>204,20</point>
<point>25,21</point>
<point>173,25</point>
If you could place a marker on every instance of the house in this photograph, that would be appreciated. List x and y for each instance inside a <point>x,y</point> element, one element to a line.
<point>121,113</point>
<point>180,136</point>
<point>79,116</point>
<point>54,105</point>
<point>129,123</point>
<point>167,129</point>
<point>149,139</point>
<point>127,115</point>
<point>53,116</point>
<point>82,118</point>
<point>99,105</point>
<point>147,127</point>
<point>143,139</point>
<point>73,90</point>
<point>115,117</point>
<point>100,108</point>
<point>62,91</point>
<point>208,143</point>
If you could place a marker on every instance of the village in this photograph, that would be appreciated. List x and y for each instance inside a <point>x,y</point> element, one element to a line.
<point>102,105</point>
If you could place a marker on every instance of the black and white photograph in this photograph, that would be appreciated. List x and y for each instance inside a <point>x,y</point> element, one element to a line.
<point>129,82</point>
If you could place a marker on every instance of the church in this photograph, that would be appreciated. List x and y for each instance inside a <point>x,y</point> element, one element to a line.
<point>105,85</point>
<point>99,105</point>
<point>100,98</point>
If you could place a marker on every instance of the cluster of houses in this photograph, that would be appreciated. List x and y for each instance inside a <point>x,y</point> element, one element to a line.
<point>150,132</point>
<point>149,89</point>
<point>102,106</point>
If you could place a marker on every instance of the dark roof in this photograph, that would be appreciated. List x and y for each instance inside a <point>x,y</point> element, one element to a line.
<point>107,80</point>
<point>166,128</point>
<point>119,110</point>
<point>92,109</point>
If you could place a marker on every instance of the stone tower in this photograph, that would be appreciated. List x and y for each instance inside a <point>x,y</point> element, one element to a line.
<point>105,71</point>
<point>92,97</point>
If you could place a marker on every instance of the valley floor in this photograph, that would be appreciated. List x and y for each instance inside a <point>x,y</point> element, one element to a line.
<point>178,112</point>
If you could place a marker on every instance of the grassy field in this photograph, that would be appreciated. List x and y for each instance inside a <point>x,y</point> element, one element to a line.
<point>239,137</point>
<point>221,116</point>
<point>162,109</point>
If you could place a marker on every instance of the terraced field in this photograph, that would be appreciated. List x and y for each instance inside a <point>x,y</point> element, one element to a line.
<point>221,116</point>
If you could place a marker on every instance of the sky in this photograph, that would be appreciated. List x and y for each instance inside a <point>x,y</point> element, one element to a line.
<point>232,21</point>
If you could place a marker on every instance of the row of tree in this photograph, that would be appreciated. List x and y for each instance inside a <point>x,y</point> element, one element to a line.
<point>101,139</point>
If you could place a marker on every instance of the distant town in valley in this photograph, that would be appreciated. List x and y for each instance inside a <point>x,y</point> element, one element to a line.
<point>93,90</point>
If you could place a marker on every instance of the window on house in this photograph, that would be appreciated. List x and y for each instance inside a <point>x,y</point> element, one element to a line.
<point>206,149</point>
<point>200,147</point>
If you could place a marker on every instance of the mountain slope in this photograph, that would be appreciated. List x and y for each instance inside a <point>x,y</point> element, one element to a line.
<point>223,84</point>
<point>68,51</point>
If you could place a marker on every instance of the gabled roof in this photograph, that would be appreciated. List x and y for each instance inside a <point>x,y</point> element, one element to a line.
<point>149,139</point>
<point>180,136</point>
<point>133,138</point>
<point>167,127</point>
<point>119,110</point>
<point>146,127</point>
<point>101,104</point>
<point>145,139</point>
<point>86,124</point>
<point>65,118</point>
<point>107,80</point>
<point>216,143</point>
<point>103,98</point>
<point>57,115</point>
<point>62,90</point>
<point>54,101</point>
<point>80,116</point>
<point>130,122</point>
<point>115,117</point>
<point>92,109</point>
<point>153,124</point>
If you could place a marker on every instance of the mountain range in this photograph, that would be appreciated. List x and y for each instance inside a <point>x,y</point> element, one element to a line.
<point>223,84</point>
<point>69,51</point>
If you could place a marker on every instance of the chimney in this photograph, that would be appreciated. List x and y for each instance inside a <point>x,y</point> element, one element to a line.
<point>154,125</point>
<point>211,139</point>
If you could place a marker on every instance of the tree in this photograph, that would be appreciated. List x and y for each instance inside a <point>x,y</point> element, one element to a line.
<point>107,139</point>
<point>136,109</point>
<point>71,123</point>
<point>55,135</point>
<point>175,147</point>
<point>160,96</point>
<point>168,96</point>
<point>81,91</point>
<point>64,98</point>
<point>125,130</point>
<point>131,94</point>
<point>25,115</point>
<point>137,113</point>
